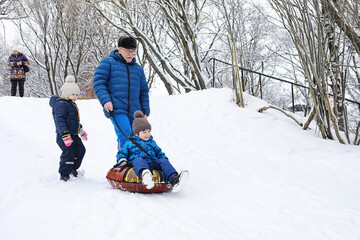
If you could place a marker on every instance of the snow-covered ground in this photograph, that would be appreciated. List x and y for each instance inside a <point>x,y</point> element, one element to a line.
<point>252,176</point>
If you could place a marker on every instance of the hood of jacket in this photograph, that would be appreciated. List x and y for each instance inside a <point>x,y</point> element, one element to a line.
<point>54,99</point>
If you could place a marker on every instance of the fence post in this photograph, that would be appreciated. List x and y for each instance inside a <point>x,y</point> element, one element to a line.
<point>213,81</point>
<point>243,80</point>
<point>261,96</point>
<point>292,97</point>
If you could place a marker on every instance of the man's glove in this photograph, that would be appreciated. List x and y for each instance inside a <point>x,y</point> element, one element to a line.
<point>122,162</point>
<point>66,137</point>
<point>83,134</point>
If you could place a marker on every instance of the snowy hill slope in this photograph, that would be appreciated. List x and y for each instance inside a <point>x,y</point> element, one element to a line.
<point>252,176</point>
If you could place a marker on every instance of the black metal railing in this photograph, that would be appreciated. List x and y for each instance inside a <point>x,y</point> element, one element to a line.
<point>270,77</point>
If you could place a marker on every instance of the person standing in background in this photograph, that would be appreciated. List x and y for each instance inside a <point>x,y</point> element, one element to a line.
<point>19,66</point>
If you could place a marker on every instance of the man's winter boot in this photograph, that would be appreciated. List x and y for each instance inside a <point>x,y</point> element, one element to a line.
<point>178,181</point>
<point>147,179</point>
<point>65,178</point>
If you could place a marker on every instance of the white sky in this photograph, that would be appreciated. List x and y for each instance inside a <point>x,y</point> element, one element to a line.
<point>8,32</point>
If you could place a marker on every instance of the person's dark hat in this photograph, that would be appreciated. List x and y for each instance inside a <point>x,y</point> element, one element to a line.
<point>140,123</point>
<point>127,42</point>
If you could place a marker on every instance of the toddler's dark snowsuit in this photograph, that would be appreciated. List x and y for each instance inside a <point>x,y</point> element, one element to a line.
<point>67,120</point>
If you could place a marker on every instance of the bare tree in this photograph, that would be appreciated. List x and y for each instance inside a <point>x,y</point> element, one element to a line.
<point>169,34</point>
<point>10,9</point>
<point>345,14</point>
<point>60,36</point>
<point>235,69</point>
<point>322,51</point>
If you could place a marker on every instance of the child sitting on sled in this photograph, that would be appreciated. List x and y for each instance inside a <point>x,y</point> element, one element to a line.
<point>142,153</point>
<point>68,128</point>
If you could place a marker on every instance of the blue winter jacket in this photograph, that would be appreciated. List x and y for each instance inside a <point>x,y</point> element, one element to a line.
<point>124,84</point>
<point>66,115</point>
<point>130,151</point>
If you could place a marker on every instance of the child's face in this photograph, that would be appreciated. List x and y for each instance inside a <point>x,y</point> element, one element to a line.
<point>73,97</point>
<point>144,135</point>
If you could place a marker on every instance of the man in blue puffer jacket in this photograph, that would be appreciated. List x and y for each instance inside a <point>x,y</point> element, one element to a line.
<point>121,87</point>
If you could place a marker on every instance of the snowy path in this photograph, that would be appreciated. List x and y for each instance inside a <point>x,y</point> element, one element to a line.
<point>252,176</point>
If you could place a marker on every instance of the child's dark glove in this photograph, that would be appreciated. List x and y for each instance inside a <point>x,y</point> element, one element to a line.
<point>122,162</point>
<point>83,134</point>
<point>66,137</point>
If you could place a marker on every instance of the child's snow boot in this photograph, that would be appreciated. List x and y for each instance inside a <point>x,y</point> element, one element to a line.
<point>147,179</point>
<point>65,178</point>
<point>178,181</point>
<point>74,173</point>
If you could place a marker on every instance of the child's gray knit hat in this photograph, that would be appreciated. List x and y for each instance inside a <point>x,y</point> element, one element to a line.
<point>140,123</point>
<point>69,87</point>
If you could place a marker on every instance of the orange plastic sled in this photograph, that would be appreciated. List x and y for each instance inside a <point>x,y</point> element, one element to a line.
<point>125,179</point>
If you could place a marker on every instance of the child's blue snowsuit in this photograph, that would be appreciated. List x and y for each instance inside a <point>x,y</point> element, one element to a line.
<point>140,160</point>
<point>67,120</point>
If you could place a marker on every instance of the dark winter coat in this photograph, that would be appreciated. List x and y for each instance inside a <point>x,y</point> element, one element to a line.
<point>130,151</point>
<point>124,84</point>
<point>66,115</point>
<point>17,72</point>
